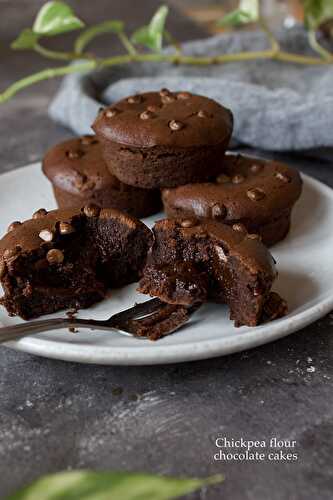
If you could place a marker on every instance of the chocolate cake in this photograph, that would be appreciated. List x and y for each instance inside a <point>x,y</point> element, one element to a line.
<point>69,258</point>
<point>257,195</point>
<point>198,261</point>
<point>79,176</point>
<point>164,139</point>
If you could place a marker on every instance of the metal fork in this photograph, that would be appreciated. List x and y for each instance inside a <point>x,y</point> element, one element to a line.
<point>151,320</point>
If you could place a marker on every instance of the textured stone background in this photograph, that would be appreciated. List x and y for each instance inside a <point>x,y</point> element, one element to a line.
<point>56,415</point>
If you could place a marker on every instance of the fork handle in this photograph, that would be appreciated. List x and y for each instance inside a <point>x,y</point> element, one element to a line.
<point>15,332</point>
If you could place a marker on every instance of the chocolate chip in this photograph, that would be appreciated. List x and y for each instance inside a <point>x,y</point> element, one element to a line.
<point>223,179</point>
<point>39,213</point>
<point>146,115</point>
<point>153,108</point>
<point>186,223</point>
<point>88,140</point>
<point>74,155</point>
<point>218,211</point>
<point>13,226</point>
<point>92,210</point>
<point>66,228</point>
<point>55,256</point>
<point>256,168</point>
<point>135,99</point>
<point>203,114</point>
<point>166,99</point>
<point>238,179</point>
<point>176,125</point>
<point>46,235</point>
<point>255,194</point>
<point>282,177</point>
<point>254,236</point>
<point>239,227</point>
<point>183,95</point>
<point>12,252</point>
<point>164,92</point>
<point>110,113</point>
<point>100,109</point>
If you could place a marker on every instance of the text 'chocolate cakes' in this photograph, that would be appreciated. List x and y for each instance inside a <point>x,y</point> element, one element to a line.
<point>69,258</point>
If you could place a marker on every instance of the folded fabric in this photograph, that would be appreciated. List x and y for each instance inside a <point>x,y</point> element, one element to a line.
<point>277,106</point>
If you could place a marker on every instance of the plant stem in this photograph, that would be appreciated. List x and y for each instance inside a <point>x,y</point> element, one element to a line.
<point>275,44</point>
<point>318,48</point>
<point>172,40</point>
<point>127,43</point>
<point>298,59</point>
<point>51,54</point>
<point>46,74</point>
<point>94,63</point>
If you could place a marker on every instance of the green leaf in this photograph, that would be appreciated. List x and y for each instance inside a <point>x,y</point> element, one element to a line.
<point>247,12</point>
<point>88,485</point>
<point>99,29</point>
<point>55,18</point>
<point>27,39</point>
<point>316,12</point>
<point>151,36</point>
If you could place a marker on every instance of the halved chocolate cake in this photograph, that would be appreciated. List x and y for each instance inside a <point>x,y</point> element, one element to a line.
<point>198,261</point>
<point>69,258</point>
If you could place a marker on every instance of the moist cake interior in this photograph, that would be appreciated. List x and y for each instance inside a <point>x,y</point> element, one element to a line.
<point>200,269</point>
<point>75,270</point>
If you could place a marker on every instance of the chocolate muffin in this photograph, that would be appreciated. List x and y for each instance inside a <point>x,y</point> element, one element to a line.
<point>197,261</point>
<point>257,195</point>
<point>164,139</point>
<point>79,176</point>
<point>69,258</point>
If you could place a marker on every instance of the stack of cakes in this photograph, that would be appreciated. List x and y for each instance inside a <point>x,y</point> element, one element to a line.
<point>173,144</point>
<point>223,209</point>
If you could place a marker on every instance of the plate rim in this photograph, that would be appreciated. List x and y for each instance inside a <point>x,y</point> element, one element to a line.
<point>168,354</point>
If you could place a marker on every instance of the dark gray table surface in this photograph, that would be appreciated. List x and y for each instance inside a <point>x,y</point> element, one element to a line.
<point>164,419</point>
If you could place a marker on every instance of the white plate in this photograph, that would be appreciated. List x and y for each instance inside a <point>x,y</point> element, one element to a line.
<point>305,280</point>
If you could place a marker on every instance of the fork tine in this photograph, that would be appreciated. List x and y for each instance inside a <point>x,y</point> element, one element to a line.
<point>138,310</point>
<point>166,320</point>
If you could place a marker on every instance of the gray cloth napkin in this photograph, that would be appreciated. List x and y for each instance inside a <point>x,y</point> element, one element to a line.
<point>277,106</point>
